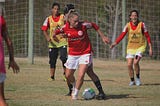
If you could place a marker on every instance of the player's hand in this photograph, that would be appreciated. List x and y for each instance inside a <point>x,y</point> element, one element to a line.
<point>106,40</point>
<point>113,45</point>
<point>14,66</point>
<point>150,52</point>
<point>64,35</point>
<point>49,39</point>
<point>55,39</point>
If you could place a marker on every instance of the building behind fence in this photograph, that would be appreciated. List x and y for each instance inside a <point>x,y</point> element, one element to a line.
<point>110,15</point>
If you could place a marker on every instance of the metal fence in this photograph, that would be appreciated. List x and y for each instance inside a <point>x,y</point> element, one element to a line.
<point>110,15</point>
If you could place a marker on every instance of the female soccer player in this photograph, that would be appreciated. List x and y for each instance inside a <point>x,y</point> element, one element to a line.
<point>12,63</point>
<point>80,50</point>
<point>101,95</point>
<point>52,22</point>
<point>137,35</point>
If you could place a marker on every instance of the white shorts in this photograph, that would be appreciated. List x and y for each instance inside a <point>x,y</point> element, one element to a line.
<point>133,55</point>
<point>74,61</point>
<point>2,77</point>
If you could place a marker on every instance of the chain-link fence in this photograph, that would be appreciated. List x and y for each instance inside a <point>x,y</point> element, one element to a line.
<point>110,15</point>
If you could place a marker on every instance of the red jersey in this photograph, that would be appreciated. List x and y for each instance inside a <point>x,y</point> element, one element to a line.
<point>2,65</point>
<point>78,40</point>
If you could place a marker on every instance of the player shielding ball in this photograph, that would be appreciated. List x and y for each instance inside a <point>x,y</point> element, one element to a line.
<point>137,35</point>
<point>90,72</point>
<point>80,49</point>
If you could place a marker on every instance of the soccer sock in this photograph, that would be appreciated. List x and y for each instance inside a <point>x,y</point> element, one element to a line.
<point>70,86</point>
<point>52,77</point>
<point>99,86</point>
<point>137,75</point>
<point>132,79</point>
<point>75,91</point>
<point>73,85</point>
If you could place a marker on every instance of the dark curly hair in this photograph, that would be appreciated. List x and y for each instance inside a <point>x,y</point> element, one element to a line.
<point>135,12</point>
<point>67,8</point>
<point>56,4</point>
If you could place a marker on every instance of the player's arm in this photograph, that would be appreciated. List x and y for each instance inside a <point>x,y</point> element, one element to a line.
<point>8,41</point>
<point>44,28</point>
<point>105,39</point>
<point>89,25</point>
<point>120,37</point>
<point>145,31</point>
<point>57,32</point>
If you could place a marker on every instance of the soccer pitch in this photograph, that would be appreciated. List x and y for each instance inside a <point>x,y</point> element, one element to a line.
<point>31,86</point>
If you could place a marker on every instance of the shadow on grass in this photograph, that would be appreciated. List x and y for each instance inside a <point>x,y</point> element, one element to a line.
<point>102,80</point>
<point>121,96</point>
<point>151,84</point>
<point>117,96</point>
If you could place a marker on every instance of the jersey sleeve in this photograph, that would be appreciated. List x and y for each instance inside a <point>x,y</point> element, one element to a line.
<point>3,23</point>
<point>121,36</point>
<point>90,25</point>
<point>145,31</point>
<point>45,25</point>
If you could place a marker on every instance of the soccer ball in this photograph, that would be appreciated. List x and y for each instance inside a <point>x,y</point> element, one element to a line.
<point>88,94</point>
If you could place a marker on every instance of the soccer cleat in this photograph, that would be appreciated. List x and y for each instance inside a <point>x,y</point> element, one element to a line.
<point>51,79</point>
<point>100,96</point>
<point>131,83</point>
<point>74,94</point>
<point>138,82</point>
<point>69,93</point>
<point>74,97</point>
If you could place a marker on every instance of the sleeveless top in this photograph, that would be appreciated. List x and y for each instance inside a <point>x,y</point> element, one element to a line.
<point>136,40</point>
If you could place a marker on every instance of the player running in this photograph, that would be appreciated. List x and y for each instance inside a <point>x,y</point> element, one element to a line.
<point>137,35</point>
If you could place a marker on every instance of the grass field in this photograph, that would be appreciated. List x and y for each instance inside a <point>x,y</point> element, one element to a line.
<point>31,88</point>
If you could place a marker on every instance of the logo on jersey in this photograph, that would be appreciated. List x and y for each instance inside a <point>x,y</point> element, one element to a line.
<point>69,34</point>
<point>80,33</point>
<point>134,36</point>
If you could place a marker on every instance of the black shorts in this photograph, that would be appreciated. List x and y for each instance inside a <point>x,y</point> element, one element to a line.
<point>53,55</point>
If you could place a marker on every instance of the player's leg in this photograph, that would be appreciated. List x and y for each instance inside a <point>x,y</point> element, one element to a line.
<point>80,78</point>
<point>97,82</point>
<point>2,98</point>
<point>130,70</point>
<point>70,80</point>
<point>137,69</point>
<point>71,65</point>
<point>53,55</point>
<point>63,58</point>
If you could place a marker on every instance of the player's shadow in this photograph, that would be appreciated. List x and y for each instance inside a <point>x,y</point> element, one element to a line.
<point>151,84</point>
<point>121,96</point>
<point>117,96</point>
<point>87,80</point>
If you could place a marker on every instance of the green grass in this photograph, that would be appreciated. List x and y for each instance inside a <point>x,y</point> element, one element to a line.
<point>31,88</point>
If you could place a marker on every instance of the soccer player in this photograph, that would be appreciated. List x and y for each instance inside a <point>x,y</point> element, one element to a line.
<point>52,22</point>
<point>80,51</point>
<point>12,63</point>
<point>101,95</point>
<point>137,35</point>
